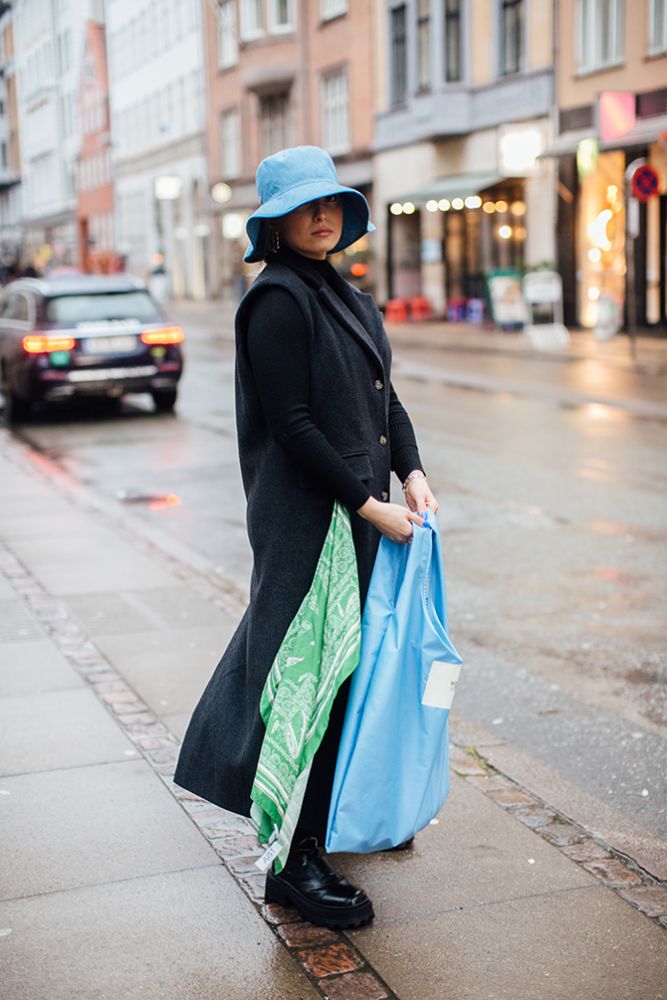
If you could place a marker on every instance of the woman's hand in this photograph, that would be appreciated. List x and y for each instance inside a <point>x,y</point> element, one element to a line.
<point>391,519</point>
<point>418,495</point>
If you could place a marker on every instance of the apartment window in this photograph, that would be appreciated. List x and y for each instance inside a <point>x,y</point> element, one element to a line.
<point>398,55</point>
<point>281,15</point>
<point>600,34</point>
<point>230,143</point>
<point>657,30</point>
<point>335,129</point>
<point>251,19</point>
<point>274,121</point>
<point>424,44</point>
<point>332,8</point>
<point>511,36</point>
<point>453,41</point>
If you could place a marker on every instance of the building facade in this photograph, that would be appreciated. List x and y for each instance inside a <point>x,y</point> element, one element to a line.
<point>464,91</point>
<point>10,163</point>
<point>94,180</point>
<point>283,73</point>
<point>156,83</point>
<point>49,41</point>
<point>611,116</point>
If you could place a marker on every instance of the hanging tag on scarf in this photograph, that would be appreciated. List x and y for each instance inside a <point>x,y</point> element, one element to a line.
<point>269,856</point>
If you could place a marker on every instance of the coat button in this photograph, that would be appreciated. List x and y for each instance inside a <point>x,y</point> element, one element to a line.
<point>384,495</point>
<point>383,439</point>
<point>379,384</point>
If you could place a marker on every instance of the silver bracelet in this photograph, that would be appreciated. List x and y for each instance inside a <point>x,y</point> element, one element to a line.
<point>415,472</point>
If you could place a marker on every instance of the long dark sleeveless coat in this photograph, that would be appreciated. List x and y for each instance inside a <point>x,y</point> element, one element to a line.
<point>288,518</point>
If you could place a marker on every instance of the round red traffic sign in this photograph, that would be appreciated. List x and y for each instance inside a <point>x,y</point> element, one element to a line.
<point>645,182</point>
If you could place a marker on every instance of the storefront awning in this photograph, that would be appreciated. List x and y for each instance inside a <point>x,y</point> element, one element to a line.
<point>644,132</point>
<point>461,186</point>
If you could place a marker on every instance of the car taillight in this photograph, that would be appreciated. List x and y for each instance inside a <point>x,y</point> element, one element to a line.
<point>36,343</point>
<point>165,335</point>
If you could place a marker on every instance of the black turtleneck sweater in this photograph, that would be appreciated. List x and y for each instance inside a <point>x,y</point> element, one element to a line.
<point>278,350</point>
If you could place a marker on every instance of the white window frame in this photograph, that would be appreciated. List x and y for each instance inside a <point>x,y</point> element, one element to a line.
<point>332,8</point>
<point>657,45</point>
<point>230,143</point>
<point>274,25</point>
<point>335,108</point>
<point>249,26</point>
<point>589,13</point>
<point>269,126</point>
<point>227,39</point>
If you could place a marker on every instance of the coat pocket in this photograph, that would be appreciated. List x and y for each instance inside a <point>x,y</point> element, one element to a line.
<point>359,463</point>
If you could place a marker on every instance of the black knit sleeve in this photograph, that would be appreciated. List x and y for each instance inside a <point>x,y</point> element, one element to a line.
<point>277,340</point>
<point>404,451</point>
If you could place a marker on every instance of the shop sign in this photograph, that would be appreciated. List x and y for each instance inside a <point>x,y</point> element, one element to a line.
<point>587,157</point>
<point>645,182</point>
<point>519,148</point>
<point>543,295</point>
<point>506,299</point>
<point>616,114</point>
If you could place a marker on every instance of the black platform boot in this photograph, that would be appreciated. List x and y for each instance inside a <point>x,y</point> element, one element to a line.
<point>320,894</point>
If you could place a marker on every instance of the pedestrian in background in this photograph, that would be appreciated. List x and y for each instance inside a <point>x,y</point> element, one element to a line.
<point>318,421</point>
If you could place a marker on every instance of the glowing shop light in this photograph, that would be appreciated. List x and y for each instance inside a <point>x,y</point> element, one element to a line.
<point>473,201</point>
<point>505,232</point>
<point>232,225</point>
<point>595,255</point>
<point>518,208</point>
<point>597,230</point>
<point>444,205</point>
<point>408,208</point>
<point>489,207</point>
<point>594,294</point>
<point>396,209</point>
<point>432,205</point>
<point>501,206</point>
<point>457,203</point>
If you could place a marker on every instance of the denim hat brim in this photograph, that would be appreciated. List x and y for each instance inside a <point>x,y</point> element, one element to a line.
<point>356,215</point>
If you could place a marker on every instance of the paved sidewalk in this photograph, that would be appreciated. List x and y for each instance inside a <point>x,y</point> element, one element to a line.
<point>115,883</point>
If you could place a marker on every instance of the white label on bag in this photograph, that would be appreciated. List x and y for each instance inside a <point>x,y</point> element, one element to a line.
<point>439,690</point>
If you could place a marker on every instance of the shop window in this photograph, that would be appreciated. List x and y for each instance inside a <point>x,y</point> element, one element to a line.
<point>511,36</point>
<point>335,129</point>
<point>230,143</point>
<point>599,34</point>
<point>600,239</point>
<point>657,29</point>
<point>399,61</point>
<point>274,120</point>
<point>228,50</point>
<point>423,44</point>
<point>453,41</point>
<point>251,19</point>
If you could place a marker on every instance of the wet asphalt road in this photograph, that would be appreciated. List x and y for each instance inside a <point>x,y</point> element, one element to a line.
<point>553,518</point>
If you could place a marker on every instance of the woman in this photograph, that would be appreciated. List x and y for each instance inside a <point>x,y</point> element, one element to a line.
<point>317,421</point>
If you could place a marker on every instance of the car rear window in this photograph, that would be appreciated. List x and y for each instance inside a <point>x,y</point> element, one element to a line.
<point>94,307</point>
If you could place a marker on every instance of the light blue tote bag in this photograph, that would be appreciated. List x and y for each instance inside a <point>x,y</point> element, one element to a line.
<point>392,770</point>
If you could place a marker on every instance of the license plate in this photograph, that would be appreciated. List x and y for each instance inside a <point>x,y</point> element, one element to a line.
<point>110,345</point>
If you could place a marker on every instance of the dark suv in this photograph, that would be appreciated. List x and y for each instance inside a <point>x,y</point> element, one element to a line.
<point>83,334</point>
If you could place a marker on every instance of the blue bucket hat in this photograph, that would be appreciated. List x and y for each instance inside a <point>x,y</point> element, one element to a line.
<point>293,177</point>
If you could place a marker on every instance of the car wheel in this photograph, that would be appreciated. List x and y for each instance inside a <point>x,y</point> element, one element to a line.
<point>164,399</point>
<point>17,409</point>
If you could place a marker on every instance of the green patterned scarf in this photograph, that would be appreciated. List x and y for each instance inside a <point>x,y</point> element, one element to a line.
<point>319,652</point>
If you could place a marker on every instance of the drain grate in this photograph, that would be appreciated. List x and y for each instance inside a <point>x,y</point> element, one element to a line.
<point>17,624</point>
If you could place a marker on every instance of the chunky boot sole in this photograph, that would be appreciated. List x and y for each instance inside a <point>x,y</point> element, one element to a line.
<point>334,917</point>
